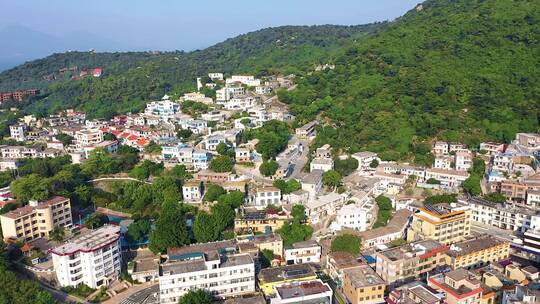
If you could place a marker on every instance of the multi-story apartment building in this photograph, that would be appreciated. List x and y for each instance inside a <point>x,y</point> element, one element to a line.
<point>528,140</point>
<point>303,252</point>
<point>477,252</point>
<point>445,223</point>
<point>16,152</point>
<point>37,219</point>
<point>443,162</point>
<point>303,292</point>
<point>361,285</point>
<point>258,221</point>
<point>244,79</point>
<point>17,132</point>
<point>353,216</point>
<point>93,258</point>
<point>440,147</point>
<point>242,155</point>
<point>394,230</point>
<point>514,190</point>
<point>415,292</point>
<point>492,148</point>
<point>201,159</point>
<point>410,261</point>
<point>165,109</point>
<point>223,273</point>
<point>262,197</point>
<point>270,277</point>
<point>88,137</point>
<point>449,178</point>
<point>463,160</point>
<point>459,286</point>
<point>337,262</point>
<point>482,211</point>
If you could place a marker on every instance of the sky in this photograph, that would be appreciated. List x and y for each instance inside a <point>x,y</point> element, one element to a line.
<point>186,25</point>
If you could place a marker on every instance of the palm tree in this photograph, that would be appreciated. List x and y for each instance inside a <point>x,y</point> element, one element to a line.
<point>58,234</point>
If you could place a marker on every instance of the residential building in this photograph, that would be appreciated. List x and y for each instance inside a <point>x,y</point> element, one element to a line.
<point>258,221</point>
<point>312,183</point>
<point>164,109</point>
<point>303,292</point>
<point>270,241</point>
<point>320,163</point>
<point>270,277</point>
<point>353,216</point>
<point>192,191</point>
<point>201,159</point>
<point>459,286</point>
<point>449,178</point>
<point>307,130</point>
<point>503,162</point>
<point>514,190</point>
<point>93,258</point>
<point>303,252</point>
<point>521,295</point>
<point>531,242</point>
<point>215,76</point>
<point>323,206</point>
<point>444,162</point>
<point>229,91</point>
<point>445,223</point>
<point>17,132</point>
<point>37,219</point>
<point>413,260</point>
<point>262,197</point>
<point>415,292</point>
<point>394,230</point>
<point>263,90</point>
<point>440,147</point>
<point>8,164</point>
<point>477,252</point>
<point>88,137</point>
<point>361,285</point>
<point>482,211</point>
<point>244,79</point>
<point>365,159</point>
<point>220,271</point>
<point>337,262</point>
<point>492,148</point>
<point>208,176</point>
<point>143,266</point>
<point>528,140</point>
<point>463,160</point>
<point>212,141</point>
<point>242,155</point>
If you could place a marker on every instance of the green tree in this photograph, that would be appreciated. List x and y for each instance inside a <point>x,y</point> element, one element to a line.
<point>222,148</point>
<point>472,185</point>
<point>346,243</point>
<point>184,133</point>
<point>268,168</point>
<point>441,199</point>
<point>170,231</point>
<point>221,163</point>
<point>298,213</point>
<point>234,198</point>
<point>96,220</point>
<point>287,187</point>
<point>139,230</point>
<point>433,181</point>
<point>213,192</point>
<point>109,136</point>
<point>345,166</point>
<point>266,258</point>
<point>495,197</point>
<point>65,139</point>
<point>57,234</point>
<point>204,228</point>
<point>31,187</point>
<point>223,217</point>
<point>331,178</point>
<point>197,296</point>
<point>374,163</point>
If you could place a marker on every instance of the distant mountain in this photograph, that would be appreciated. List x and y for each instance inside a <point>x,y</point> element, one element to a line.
<point>131,79</point>
<point>24,44</point>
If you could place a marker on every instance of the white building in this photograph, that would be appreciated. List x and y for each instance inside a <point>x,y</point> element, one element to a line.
<point>262,197</point>
<point>17,132</point>
<point>324,206</point>
<point>312,183</point>
<point>502,162</point>
<point>463,160</point>
<point>492,148</point>
<point>88,137</point>
<point>365,158</point>
<point>302,292</point>
<point>323,164</point>
<point>228,92</point>
<point>440,147</point>
<point>215,76</point>
<point>165,109</point>
<point>93,258</point>
<point>244,79</point>
<point>353,216</point>
<point>533,198</point>
<point>263,90</point>
<point>192,191</point>
<point>222,275</point>
<point>303,252</point>
<point>448,178</point>
<point>443,162</point>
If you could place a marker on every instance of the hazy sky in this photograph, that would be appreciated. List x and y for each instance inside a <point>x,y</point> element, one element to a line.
<point>180,24</point>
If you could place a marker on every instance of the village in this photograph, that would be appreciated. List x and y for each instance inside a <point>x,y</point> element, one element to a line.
<point>464,230</point>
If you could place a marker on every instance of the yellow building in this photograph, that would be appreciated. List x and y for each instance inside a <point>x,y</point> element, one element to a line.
<point>444,223</point>
<point>270,277</point>
<point>362,285</point>
<point>37,219</point>
<point>477,252</point>
<point>258,221</point>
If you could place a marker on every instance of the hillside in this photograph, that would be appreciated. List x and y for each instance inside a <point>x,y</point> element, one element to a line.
<point>130,79</point>
<point>460,70</point>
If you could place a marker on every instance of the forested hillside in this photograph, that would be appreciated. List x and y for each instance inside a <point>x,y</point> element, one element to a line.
<point>459,70</point>
<point>131,79</point>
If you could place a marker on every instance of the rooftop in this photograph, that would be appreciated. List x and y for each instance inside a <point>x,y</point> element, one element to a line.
<point>283,273</point>
<point>474,245</point>
<point>363,276</point>
<point>305,244</point>
<point>313,177</point>
<point>90,241</point>
<point>412,250</point>
<point>25,210</point>
<point>343,260</point>
<point>302,289</point>
<point>396,224</point>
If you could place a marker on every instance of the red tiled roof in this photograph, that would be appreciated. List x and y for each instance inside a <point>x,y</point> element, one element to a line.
<point>132,137</point>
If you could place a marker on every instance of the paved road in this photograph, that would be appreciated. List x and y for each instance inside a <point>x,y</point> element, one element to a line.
<point>118,179</point>
<point>478,228</point>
